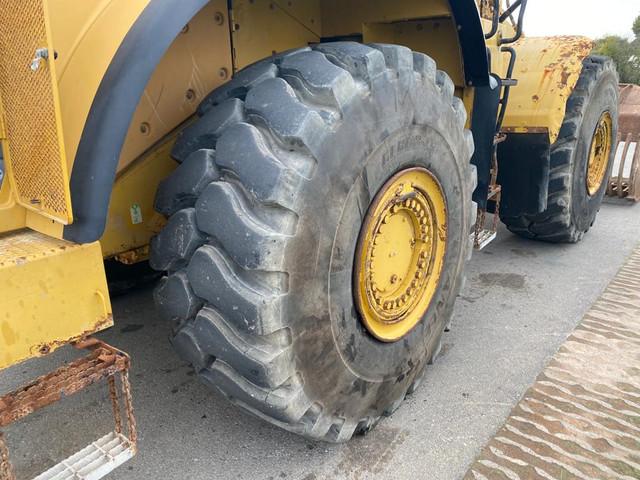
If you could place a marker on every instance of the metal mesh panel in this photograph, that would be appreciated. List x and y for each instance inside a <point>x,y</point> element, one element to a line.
<point>35,152</point>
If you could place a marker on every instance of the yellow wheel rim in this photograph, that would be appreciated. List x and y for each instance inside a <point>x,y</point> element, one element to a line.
<point>401,253</point>
<point>600,153</point>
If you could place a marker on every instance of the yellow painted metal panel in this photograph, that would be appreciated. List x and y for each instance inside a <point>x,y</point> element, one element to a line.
<point>87,36</point>
<point>306,12</point>
<point>343,17</point>
<point>263,28</point>
<point>35,153</point>
<point>132,220</point>
<point>437,38</point>
<point>547,70</point>
<point>198,61</point>
<point>12,215</point>
<point>51,292</point>
<point>41,224</point>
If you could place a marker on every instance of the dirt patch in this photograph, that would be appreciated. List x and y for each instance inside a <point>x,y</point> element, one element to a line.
<point>131,328</point>
<point>365,457</point>
<point>524,253</point>
<point>510,281</point>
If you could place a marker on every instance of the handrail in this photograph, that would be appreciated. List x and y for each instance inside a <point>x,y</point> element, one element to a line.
<point>495,23</point>
<point>507,88</point>
<point>522,6</point>
<point>498,18</point>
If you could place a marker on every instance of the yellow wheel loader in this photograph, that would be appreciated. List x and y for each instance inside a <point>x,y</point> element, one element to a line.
<point>310,176</point>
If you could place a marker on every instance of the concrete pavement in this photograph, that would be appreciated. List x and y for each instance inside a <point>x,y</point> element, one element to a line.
<point>521,301</point>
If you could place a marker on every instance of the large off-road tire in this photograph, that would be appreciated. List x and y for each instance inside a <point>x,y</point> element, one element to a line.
<point>571,208</point>
<point>265,212</point>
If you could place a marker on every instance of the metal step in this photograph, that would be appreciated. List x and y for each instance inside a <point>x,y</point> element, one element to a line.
<point>484,238</point>
<point>103,363</point>
<point>41,322</point>
<point>93,462</point>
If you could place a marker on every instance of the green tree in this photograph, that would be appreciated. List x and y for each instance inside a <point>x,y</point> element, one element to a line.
<point>625,54</point>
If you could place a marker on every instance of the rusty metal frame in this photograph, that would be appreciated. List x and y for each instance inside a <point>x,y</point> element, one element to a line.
<point>6,470</point>
<point>621,186</point>
<point>104,362</point>
<point>483,236</point>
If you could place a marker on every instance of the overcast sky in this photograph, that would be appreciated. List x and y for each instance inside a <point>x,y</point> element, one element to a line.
<point>593,18</point>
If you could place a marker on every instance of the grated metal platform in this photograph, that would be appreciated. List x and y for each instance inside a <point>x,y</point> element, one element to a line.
<point>93,462</point>
<point>581,418</point>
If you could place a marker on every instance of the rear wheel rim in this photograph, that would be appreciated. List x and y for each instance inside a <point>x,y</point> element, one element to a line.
<point>599,154</point>
<point>401,253</point>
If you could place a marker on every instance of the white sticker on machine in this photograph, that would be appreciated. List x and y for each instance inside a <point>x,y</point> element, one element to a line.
<point>136,214</point>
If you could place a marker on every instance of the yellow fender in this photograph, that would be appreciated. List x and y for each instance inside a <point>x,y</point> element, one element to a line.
<point>547,70</point>
<point>88,37</point>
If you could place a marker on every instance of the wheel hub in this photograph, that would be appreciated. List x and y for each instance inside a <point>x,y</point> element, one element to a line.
<point>401,254</point>
<point>600,154</point>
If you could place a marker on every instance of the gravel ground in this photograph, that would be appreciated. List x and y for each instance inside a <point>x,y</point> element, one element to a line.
<point>521,301</point>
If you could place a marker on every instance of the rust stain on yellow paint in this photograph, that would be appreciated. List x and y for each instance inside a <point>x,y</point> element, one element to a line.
<point>548,69</point>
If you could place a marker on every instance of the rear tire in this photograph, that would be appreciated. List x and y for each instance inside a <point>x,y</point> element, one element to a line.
<point>571,210</point>
<point>262,233</point>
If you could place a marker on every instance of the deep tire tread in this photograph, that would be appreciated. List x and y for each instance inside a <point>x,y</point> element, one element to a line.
<point>556,224</point>
<point>236,337</point>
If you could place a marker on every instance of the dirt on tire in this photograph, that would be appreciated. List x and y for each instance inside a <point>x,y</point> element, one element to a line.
<point>571,211</point>
<point>265,210</point>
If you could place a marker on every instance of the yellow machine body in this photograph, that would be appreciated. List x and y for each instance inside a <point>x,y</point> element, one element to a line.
<point>51,96</point>
<point>548,69</point>
<point>51,292</point>
<point>85,38</point>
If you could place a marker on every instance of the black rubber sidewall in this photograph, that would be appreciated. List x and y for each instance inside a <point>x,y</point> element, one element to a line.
<point>337,358</point>
<point>603,99</point>
<point>369,358</point>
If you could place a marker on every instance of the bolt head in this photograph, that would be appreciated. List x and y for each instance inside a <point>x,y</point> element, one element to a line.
<point>219,18</point>
<point>145,128</point>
